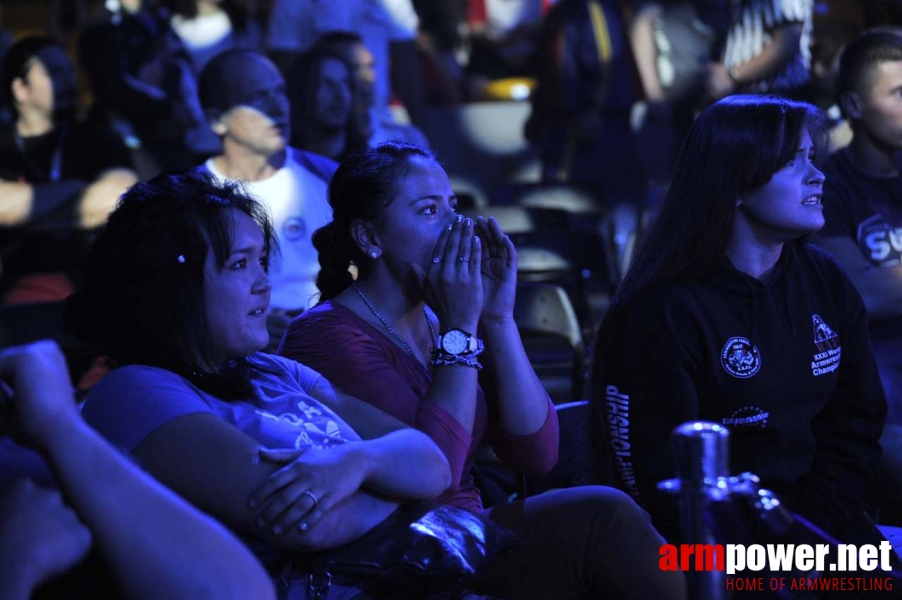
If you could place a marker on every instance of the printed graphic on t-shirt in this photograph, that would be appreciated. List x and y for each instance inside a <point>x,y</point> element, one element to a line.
<point>827,349</point>
<point>880,242</point>
<point>740,358</point>
<point>313,428</point>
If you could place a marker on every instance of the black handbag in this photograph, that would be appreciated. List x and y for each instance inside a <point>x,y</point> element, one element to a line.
<point>420,551</point>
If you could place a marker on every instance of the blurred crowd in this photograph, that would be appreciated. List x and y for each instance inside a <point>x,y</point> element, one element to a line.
<point>613,86</point>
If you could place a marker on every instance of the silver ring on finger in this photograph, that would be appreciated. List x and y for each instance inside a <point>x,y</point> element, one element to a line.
<point>463,259</point>
<point>312,497</point>
<point>436,260</point>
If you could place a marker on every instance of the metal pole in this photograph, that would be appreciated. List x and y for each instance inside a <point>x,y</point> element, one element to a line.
<point>702,457</point>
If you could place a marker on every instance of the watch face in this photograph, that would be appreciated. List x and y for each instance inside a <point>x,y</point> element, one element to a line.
<point>454,341</point>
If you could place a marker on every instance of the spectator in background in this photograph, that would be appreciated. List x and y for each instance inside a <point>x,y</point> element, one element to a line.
<point>440,44</point>
<point>208,27</point>
<point>59,178</point>
<point>321,90</point>
<point>863,210</point>
<point>145,86</point>
<point>372,123</point>
<point>581,107</point>
<point>144,533</point>
<point>407,91</point>
<point>504,38</point>
<point>245,99</point>
<point>673,42</point>
<point>767,49</point>
<point>296,25</point>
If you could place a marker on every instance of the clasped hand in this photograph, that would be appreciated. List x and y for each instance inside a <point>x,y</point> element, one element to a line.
<point>473,274</point>
<point>312,482</point>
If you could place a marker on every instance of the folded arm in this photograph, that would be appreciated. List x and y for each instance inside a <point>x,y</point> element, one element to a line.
<point>219,469</point>
<point>41,206</point>
<point>391,451</point>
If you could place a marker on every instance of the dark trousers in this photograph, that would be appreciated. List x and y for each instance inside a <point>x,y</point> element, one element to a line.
<point>582,542</point>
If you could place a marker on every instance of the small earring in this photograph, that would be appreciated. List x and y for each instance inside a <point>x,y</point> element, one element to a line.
<point>374,254</point>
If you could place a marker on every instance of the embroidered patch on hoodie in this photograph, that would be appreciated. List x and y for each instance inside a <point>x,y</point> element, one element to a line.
<point>828,350</point>
<point>747,417</point>
<point>740,358</point>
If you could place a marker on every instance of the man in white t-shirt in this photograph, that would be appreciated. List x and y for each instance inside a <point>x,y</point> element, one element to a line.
<point>245,99</point>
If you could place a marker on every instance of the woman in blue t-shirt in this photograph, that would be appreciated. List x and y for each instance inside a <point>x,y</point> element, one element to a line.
<point>176,293</point>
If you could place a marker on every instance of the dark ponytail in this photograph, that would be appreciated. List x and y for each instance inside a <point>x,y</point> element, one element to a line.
<point>336,253</point>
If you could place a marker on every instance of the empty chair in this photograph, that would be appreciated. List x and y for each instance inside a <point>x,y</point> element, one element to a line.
<point>563,196</point>
<point>521,219</point>
<point>547,253</point>
<point>511,219</point>
<point>552,338</point>
<point>578,261</point>
<point>469,194</point>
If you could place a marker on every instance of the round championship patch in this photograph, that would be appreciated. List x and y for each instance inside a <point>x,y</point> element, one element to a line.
<point>740,358</point>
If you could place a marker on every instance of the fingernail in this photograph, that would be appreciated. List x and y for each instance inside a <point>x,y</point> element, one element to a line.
<point>303,526</point>
<point>460,218</point>
<point>476,239</point>
<point>469,222</point>
<point>277,529</point>
<point>451,226</point>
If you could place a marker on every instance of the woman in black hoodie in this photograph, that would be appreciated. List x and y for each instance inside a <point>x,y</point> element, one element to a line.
<point>728,315</point>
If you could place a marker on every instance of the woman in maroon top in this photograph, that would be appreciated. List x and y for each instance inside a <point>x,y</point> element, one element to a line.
<point>403,337</point>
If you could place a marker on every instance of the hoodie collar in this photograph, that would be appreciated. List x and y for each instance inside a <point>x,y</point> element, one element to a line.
<point>738,283</point>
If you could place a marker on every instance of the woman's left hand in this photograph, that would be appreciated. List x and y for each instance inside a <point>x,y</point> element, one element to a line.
<point>499,270</point>
<point>312,482</point>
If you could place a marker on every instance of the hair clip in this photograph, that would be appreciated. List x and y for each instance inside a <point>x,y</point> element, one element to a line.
<point>182,258</point>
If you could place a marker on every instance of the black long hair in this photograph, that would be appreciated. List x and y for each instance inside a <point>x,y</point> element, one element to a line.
<point>734,147</point>
<point>303,81</point>
<point>142,297</point>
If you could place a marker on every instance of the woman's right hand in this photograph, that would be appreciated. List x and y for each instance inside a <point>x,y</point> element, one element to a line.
<point>311,483</point>
<point>453,281</point>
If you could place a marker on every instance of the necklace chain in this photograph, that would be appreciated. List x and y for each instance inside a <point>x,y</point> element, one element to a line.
<point>388,326</point>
